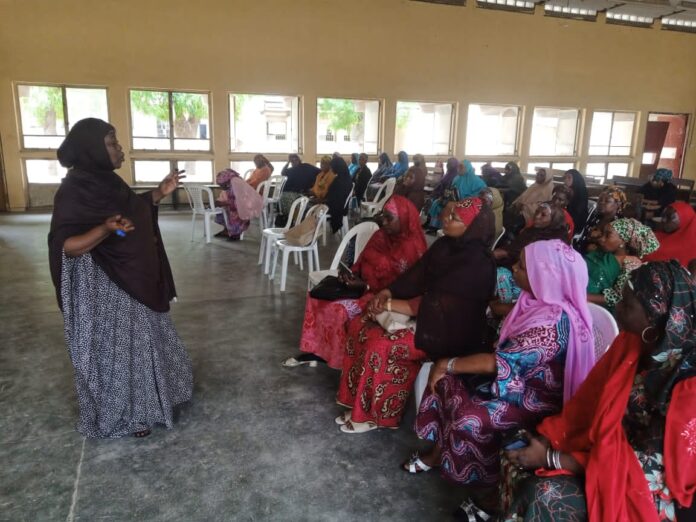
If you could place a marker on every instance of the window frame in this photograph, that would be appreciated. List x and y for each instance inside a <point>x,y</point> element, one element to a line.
<point>172,165</point>
<point>452,131</point>
<point>518,134</point>
<point>380,121</point>
<point>171,149</point>
<point>576,144</point>
<point>62,87</point>
<point>634,132</point>
<point>300,126</point>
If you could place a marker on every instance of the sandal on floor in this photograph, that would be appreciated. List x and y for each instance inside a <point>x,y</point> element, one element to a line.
<point>415,465</point>
<point>292,362</point>
<point>358,427</point>
<point>142,433</point>
<point>343,418</point>
<point>470,512</point>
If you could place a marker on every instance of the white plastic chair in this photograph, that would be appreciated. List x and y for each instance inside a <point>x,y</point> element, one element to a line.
<point>344,225</point>
<point>362,234</point>
<point>370,208</point>
<point>312,251</point>
<point>270,235</point>
<point>421,383</point>
<point>604,329</point>
<point>264,190</point>
<point>277,184</point>
<point>497,240</point>
<point>247,174</point>
<point>198,206</point>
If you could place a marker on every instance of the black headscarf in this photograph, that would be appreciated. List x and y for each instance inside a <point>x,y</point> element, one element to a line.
<point>514,181</point>
<point>338,192</point>
<point>89,194</point>
<point>456,279</point>
<point>577,206</point>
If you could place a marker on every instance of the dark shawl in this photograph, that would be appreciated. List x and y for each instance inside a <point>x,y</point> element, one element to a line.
<point>362,179</point>
<point>577,207</point>
<point>665,195</point>
<point>456,279</point>
<point>514,182</point>
<point>300,178</point>
<point>92,192</point>
<point>338,193</point>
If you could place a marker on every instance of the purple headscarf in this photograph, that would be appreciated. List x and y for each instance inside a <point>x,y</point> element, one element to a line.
<point>558,277</point>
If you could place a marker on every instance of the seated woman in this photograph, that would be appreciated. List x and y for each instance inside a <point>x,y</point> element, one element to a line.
<point>443,193</point>
<point>236,196</point>
<point>610,206</point>
<point>399,168</point>
<point>512,183</point>
<point>491,196</point>
<point>624,447</point>
<point>338,193</point>
<point>658,193</point>
<point>362,177</point>
<point>301,177</point>
<point>263,171</point>
<point>323,180</point>
<point>452,281</point>
<point>544,352</point>
<point>354,164</point>
<point>577,206</point>
<point>523,208</point>
<point>677,235</point>
<point>397,245</point>
<point>411,185</point>
<point>623,245</point>
<point>561,196</point>
<point>466,183</point>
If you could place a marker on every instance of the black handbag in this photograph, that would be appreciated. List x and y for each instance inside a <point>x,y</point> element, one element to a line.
<point>331,289</point>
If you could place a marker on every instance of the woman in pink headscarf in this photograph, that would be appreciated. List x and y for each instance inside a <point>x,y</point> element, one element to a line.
<point>544,352</point>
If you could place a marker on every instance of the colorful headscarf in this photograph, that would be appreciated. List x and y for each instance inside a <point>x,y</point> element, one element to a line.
<point>639,238</point>
<point>618,195</point>
<point>558,279</point>
<point>467,182</point>
<point>467,209</point>
<point>385,257</point>
<point>662,175</point>
<point>668,295</point>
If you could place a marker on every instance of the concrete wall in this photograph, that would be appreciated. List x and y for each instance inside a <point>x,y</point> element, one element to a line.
<point>387,49</point>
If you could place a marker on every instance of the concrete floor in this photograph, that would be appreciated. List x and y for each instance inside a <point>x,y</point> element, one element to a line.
<point>258,442</point>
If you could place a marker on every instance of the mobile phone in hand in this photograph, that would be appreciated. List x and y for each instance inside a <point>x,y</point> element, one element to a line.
<point>343,269</point>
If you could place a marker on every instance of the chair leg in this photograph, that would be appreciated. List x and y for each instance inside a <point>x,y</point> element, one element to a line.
<point>316,257</point>
<point>261,251</point>
<point>299,256</point>
<point>310,261</point>
<point>269,244</point>
<point>323,235</point>
<point>206,221</point>
<point>193,225</point>
<point>284,273</point>
<point>346,226</point>
<point>275,260</point>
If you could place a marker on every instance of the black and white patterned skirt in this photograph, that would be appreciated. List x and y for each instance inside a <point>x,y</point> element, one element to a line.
<point>131,368</point>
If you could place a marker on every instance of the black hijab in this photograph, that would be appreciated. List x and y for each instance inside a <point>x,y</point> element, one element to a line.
<point>338,192</point>
<point>577,207</point>
<point>456,279</point>
<point>92,192</point>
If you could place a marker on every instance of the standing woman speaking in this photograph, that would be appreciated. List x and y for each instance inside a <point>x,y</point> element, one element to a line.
<point>114,284</point>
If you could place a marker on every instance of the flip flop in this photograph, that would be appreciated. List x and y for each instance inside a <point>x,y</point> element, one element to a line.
<point>291,362</point>
<point>343,418</point>
<point>415,465</point>
<point>358,427</point>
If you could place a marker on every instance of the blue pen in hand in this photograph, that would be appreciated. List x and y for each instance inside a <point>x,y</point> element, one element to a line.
<point>120,233</point>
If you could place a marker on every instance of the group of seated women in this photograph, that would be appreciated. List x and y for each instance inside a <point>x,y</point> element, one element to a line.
<point>528,414</point>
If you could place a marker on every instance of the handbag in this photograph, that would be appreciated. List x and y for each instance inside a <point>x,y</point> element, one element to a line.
<point>301,235</point>
<point>331,289</point>
<point>395,321</point>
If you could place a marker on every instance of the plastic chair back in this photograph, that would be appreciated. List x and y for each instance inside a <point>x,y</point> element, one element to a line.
<point>362,234</point>
<point>247,174</point>
<point>497,239</point>
<point>277,183</point>
<point>604,328</point>
<point>297,210</point>
<point>389,188</point>
<point>195,196</point>
<point>321,211</point>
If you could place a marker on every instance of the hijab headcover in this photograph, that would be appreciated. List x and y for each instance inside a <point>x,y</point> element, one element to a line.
<point>91,192</point>
<point>639,238</point>
<point>386,256</point>
<point>663,175</point>
<point>467,209</point>
<point>617,194</point>
<point>680,244</point>
<point>558,279</point>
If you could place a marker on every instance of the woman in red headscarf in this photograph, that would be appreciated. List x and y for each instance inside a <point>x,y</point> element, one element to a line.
<point>447,291</point>
<point>390,251</point>
<point>678,236</point>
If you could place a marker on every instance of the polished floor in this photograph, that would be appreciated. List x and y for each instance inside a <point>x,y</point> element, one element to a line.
<point>258,441</point>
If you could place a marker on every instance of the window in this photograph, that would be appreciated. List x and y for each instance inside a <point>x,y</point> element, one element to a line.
<point>531,167</point>
<point>165,120</point>
<point>492,130</point>
<point>153,171</point>
<point>48,112</point>
<point>347,126</point>
<point>498,165</point>
<point>607,170</point>
<point>554,132</point>
<point>424,128</point>
<point>44,171</point>
<point>264,123</point>
<point>612,133</point>
<point>243,166</point>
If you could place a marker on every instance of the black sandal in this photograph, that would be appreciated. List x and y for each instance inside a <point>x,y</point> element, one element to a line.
<point>141,434</point>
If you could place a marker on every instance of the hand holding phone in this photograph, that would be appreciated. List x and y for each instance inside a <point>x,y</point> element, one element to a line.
<point>517,441</point>
<point>344,270</point>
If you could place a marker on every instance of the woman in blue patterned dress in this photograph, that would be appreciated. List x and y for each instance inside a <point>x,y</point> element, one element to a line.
<point>544,352</point>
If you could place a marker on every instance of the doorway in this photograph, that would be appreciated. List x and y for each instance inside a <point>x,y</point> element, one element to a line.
<point>665,142</point>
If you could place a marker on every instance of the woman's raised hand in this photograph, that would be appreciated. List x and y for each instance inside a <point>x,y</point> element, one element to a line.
<point>171,181</point>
